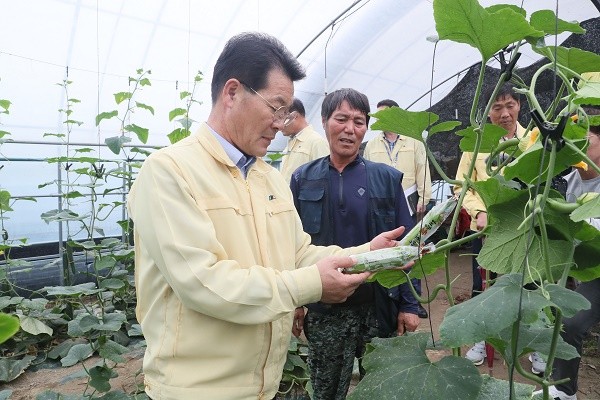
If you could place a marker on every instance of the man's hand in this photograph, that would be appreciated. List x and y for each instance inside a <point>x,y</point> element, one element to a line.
<point>481,220</point>
<point>420,209</point>
<point>386,239</point>
<point>337,286</point>
<point>407,322</point>
<point>298,323</point>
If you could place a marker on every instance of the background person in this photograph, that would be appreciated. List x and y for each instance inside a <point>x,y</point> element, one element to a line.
<point>221,258</point>
<point>345,200</point>
<point>504,113</point>
<point>409,157</point>
<point>304,143</point>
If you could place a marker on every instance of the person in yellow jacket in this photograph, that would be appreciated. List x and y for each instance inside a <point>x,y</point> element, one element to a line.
<point>304,143</point>
<point>408,156</point>
<point>221,260</point>
<point>504,113</point>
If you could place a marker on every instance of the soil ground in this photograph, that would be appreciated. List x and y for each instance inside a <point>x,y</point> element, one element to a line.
<point>70,380</point>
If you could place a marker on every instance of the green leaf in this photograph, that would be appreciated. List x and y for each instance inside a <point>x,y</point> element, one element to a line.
<point>145,82</point>
<point>184,94</point>
<point>50,395</point>
<point>5,104</point>
<point>528,165</point>
<point>186,122</point>
<point>106,115</point>
<point>87,288</point>
<point>472,321</point>
<point>61,215</point>
<point>145,107</point>
<point>113,351</point>
<point>177,134</point>
<point>590,209</point>
<point>493,389</point>
<point>574,59</point>
<point>589,94</point>
<point>274,156</point>
<point>4,133</point>
<point>547,22</point>
<point>587,260</point>
<point>505,249</point>
<point>403,122</point>
<point>77,353</point>
<point>5,200</point>
<point>121,96</point>
<point>34,326</point>
<point>465,21</point>
<point>176,112</point>
<point>444,127</point>
<point>11,369</point>
<point>100,377</point>
<point>489,141</point>
<point>5,394</point>
<point>72,121</point>
<point>142,133</point>
<point>115,143</point>
<point>9,325</point>
<point>399,368</point>
<point>112,284</point>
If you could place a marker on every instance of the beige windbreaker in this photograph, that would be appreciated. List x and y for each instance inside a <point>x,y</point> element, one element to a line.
<point>409,157</point>
<point>306,146</point>
<point>217,272</point>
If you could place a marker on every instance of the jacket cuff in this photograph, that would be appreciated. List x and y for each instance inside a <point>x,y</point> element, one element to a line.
<point>308,281</point>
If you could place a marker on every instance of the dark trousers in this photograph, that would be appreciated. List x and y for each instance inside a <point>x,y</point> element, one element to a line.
<point>335,338</point>
<point>574,330</point>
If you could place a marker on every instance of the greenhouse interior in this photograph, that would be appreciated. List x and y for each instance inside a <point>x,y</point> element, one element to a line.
<point>204,201</point>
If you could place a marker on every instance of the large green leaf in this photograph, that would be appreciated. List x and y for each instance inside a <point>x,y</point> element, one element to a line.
<point>106,115</point>
<point>546,21</point>
<point>50,395</point>
<point>465,21</point>
<point>444,127</point>
<point>573,59</point>
<point>527,168</point>
<point>506,249</point>
<point>489,141</point>
<point>398,368</point>
<point>87,288</point>
<point>9,325</point>
<point>177,134</point>
<point>403,122</point>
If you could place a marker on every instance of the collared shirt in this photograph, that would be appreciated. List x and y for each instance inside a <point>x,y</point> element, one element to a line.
<point>304,146</point>
<point>407,155</point>
<point>241,160</point>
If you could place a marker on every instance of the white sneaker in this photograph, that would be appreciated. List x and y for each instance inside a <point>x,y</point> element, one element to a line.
<point>538,364</point>
<point>476,354</point>
<point>556,394</point>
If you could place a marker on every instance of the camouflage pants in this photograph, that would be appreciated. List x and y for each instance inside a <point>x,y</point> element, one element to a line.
<point>335,338</point>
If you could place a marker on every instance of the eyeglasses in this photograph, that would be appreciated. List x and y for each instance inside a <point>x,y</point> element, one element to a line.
<point>279,113</point>
<point>290,118</point>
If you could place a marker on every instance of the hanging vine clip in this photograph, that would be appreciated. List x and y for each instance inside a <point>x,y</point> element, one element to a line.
<point>550,131</point>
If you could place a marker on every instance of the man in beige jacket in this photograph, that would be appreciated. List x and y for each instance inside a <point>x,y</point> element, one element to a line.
<point>221,260</point>
<point>304,143</point>
<point>504,113</point>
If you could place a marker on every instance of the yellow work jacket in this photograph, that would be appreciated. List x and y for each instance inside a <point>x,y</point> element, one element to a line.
<point>408,156</point>
<point>305,146</point>
<point>221,262</point>
<point>472,201</point>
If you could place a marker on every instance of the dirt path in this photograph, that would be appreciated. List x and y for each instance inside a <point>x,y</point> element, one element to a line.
<point>69,380</point>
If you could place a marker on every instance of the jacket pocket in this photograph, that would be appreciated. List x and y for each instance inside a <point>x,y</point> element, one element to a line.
<point>311,208</point>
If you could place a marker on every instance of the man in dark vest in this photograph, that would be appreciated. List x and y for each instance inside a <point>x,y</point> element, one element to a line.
<point>345,200</point>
